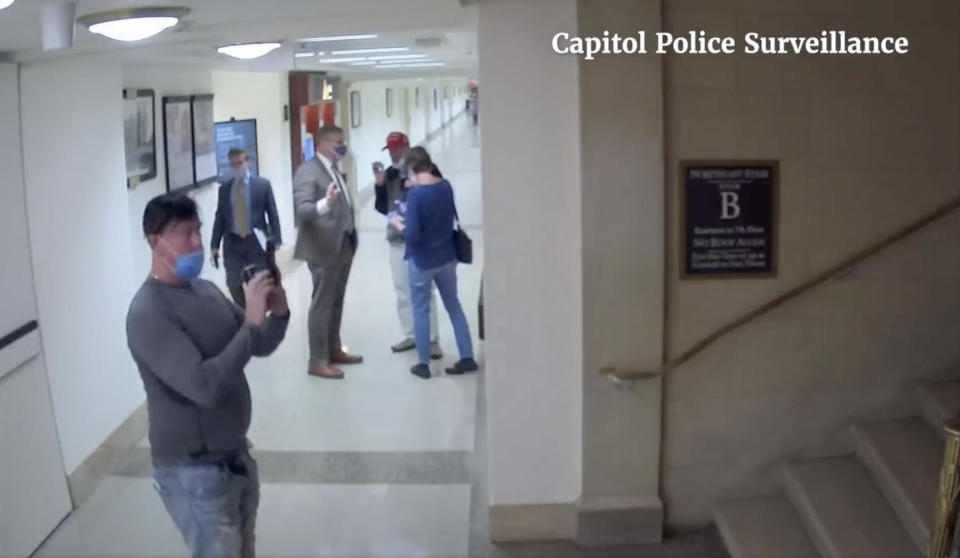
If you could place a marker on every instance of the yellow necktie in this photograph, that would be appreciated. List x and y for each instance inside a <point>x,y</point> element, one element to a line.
<point>240,210</point>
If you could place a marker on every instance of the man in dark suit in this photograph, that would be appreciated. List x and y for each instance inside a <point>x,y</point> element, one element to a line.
<point>327,241</point>
<point>245,204</point>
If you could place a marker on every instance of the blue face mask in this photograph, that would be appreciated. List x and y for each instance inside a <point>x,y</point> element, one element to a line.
<point>189,266</point>
<point>341,151</point>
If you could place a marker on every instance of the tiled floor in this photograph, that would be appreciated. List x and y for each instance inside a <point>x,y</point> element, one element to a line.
<point>381,464</point>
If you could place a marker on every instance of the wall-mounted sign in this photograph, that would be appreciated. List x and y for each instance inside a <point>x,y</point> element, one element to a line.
<point>729,218</point>
<point>240,134</point>
<point>327,94</point>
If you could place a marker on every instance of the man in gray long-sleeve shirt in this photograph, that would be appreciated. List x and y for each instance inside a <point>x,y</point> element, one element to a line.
<point>191,345</point>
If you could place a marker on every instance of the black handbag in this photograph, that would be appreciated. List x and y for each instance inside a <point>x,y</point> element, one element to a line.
<point>461,242</point>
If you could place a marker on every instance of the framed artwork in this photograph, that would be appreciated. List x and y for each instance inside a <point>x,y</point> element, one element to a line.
<point>354,109</point>
<point>178,143</point>
<point>139,135</point>
<point>204,145</point>
<point>389,103</point>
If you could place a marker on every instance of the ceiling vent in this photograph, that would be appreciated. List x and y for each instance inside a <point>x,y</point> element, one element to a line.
<point>428,42</point>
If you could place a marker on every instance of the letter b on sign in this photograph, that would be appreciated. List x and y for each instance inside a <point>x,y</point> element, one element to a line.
<point>731,205</point>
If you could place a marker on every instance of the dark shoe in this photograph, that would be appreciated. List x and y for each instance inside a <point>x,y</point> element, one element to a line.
<point>421,371</point>
<point>462,367</point>
<point>345,358</point>
<point>436,353</point>
<point>326,372</point>
<point>404,346</point>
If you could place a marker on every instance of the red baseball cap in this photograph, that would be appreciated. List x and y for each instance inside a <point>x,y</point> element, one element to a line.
<point>397,139</point>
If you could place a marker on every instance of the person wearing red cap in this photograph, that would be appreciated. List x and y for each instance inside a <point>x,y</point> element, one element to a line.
<point>391,189</point>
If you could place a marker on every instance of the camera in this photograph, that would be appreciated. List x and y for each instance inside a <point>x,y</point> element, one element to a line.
<point>251,271</point>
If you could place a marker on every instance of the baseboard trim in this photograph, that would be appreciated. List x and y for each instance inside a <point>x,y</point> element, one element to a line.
<point>537,522</point>
<point>620,522</point>
<point>90,474</point>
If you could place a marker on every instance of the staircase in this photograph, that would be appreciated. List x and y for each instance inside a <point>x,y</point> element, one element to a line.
<point>875,503</point>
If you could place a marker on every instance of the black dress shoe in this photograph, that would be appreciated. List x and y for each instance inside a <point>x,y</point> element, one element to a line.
<point>462,367</point>
<point>421,371</point>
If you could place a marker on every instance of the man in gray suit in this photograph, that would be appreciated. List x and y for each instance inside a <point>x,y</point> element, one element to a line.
<point>245,204</point>
<point>327,241</point>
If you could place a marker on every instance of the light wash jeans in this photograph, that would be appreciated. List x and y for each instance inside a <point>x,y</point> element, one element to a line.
<point>214,506</point>
<point>421,283</point>
<point>401,285</point>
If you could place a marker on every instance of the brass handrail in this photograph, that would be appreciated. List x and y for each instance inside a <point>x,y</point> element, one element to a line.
<point>626,376</point>
<point>945,511</point>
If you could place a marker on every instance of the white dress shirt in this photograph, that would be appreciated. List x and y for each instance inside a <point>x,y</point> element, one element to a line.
<point>363,196</point>
<point>322,206</point>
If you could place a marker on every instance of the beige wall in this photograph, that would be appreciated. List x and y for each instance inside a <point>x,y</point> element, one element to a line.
<point>532,283</point>
<point>623,243</point>
<point>866,145</point>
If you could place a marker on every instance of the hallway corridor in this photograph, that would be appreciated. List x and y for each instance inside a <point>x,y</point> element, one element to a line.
<point>377,465</point>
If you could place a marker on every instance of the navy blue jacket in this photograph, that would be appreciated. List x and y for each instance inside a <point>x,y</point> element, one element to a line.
<point>262,211</point>
<point>429,225</point>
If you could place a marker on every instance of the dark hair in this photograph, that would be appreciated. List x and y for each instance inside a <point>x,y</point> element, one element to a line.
<point>166,209</point>
<point>235,151</point>
<point>419,160</point>
<point>327,131</point>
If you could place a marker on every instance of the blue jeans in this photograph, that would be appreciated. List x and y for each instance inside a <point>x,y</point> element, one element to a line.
<point>214,506</point>
<point>445,277</point>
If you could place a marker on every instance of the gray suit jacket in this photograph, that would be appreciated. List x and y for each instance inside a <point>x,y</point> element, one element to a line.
<point>320,238</point>
<point>262,211</point>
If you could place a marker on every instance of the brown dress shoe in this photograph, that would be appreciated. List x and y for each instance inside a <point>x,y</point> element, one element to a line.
<point>345,358</point>
<point>326,372</point>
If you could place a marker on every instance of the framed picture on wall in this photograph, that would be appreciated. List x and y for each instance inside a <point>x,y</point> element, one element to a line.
<point>389,103</point>
<point>139,136</point>
<point>178,143</point>
<point>354,109</point>
<point>204,145</point>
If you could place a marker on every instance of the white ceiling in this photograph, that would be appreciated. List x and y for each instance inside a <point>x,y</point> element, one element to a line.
<point>448,24</point>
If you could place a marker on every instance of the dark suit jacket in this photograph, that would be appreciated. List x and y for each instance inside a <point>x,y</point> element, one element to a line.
<point>263,211</point>
<point>393,189</point>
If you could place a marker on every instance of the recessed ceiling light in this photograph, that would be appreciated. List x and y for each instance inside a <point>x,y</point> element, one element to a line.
<point>340,60</point>
<point>371,50</point>
<point>397,57</point>
<point>134,24</point>
<point>369,63</point>
<point>5,3</point>
<point>338,38</point>
<point>248,51</point>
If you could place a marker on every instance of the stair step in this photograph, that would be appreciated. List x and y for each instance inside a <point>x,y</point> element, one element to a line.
<point>845,512</point>
<point>763,527</point>
<point>904,459</point>
<point>940,401</point>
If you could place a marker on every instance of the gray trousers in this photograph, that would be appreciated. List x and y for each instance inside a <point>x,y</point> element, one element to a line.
<point>326,307</point>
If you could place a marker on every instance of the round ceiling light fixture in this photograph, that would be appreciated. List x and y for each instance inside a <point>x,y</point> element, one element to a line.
<point>134,24</point>
<point>6,3</point>
<point>248,51</point>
